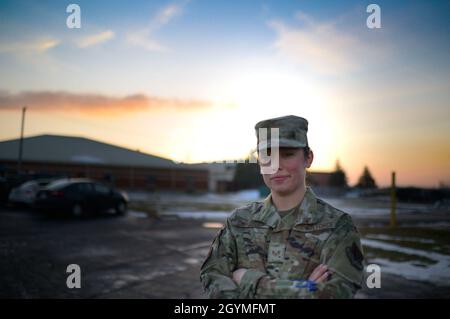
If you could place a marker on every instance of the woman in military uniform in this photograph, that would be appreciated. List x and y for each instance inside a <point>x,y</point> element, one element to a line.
<point>291,245</point>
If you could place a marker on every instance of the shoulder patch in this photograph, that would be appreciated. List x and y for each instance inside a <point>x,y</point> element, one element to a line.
<point>355,256</point>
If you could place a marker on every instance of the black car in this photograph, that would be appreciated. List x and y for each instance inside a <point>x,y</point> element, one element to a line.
<point>80,197</point>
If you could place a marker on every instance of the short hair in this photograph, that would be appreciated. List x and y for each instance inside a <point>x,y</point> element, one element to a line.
<point>306,151</point>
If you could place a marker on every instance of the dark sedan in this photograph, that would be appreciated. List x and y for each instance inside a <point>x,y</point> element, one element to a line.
<point>79,197</point>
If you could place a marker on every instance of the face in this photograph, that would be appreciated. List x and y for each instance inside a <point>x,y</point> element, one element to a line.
<point>291,171</point>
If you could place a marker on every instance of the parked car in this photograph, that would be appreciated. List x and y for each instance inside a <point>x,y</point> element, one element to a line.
<point>25,193</point>
<point>7,183</point>
<point>79,197</point>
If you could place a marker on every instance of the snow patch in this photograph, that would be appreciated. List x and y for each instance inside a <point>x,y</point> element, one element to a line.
<point>438,273</point>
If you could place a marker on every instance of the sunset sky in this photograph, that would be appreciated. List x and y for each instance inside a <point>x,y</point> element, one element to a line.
<point>188,80</point>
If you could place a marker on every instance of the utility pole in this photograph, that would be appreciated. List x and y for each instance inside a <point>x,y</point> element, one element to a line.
<point>393,222</point>
<point>19,162</point>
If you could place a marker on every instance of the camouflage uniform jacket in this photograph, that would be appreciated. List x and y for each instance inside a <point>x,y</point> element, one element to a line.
<point>280,253</point>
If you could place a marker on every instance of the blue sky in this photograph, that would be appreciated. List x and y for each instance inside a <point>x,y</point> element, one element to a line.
<point>173,70</point>
<point>210,36</point>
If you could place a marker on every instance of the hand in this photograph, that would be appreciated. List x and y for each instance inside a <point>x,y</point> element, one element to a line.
<point>319,274</point>
<point>237,275</point>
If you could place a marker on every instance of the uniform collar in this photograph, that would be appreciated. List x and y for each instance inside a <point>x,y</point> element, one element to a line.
<point>307,214</point>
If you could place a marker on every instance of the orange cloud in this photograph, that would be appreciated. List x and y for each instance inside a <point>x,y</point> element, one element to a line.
<point>38,46</point>
<point>93,104</point>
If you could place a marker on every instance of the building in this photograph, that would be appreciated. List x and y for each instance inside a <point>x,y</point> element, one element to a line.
<point>322,184</point>
<point>319,179</point>
<point>221,176</point>
<point>81,157</point>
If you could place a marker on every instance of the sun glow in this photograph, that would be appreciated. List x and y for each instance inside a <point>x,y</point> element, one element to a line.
<point>260,95</point>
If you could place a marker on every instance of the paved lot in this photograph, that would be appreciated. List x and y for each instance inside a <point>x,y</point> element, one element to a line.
<point>120,257</point>
<point>124,257</point>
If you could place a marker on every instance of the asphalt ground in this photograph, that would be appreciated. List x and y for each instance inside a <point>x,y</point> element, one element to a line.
<point>119,257</point>
<point>130,256</point>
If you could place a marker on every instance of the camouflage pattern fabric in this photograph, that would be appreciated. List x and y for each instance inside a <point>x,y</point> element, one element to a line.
<point>280,253</point>
<point>292,132</point>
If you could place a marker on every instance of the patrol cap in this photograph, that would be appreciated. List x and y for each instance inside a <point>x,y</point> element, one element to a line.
<point>292,132</point>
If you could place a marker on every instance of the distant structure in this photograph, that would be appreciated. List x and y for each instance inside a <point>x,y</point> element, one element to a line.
<point>319,179</point>
<point>221,176</point>
<point>81,157</point>
<point>324,183</point>
<point>229,177</point>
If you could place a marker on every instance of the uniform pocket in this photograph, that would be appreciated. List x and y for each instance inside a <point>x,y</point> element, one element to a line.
<point>302,254</point>
<point>251,245</point>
